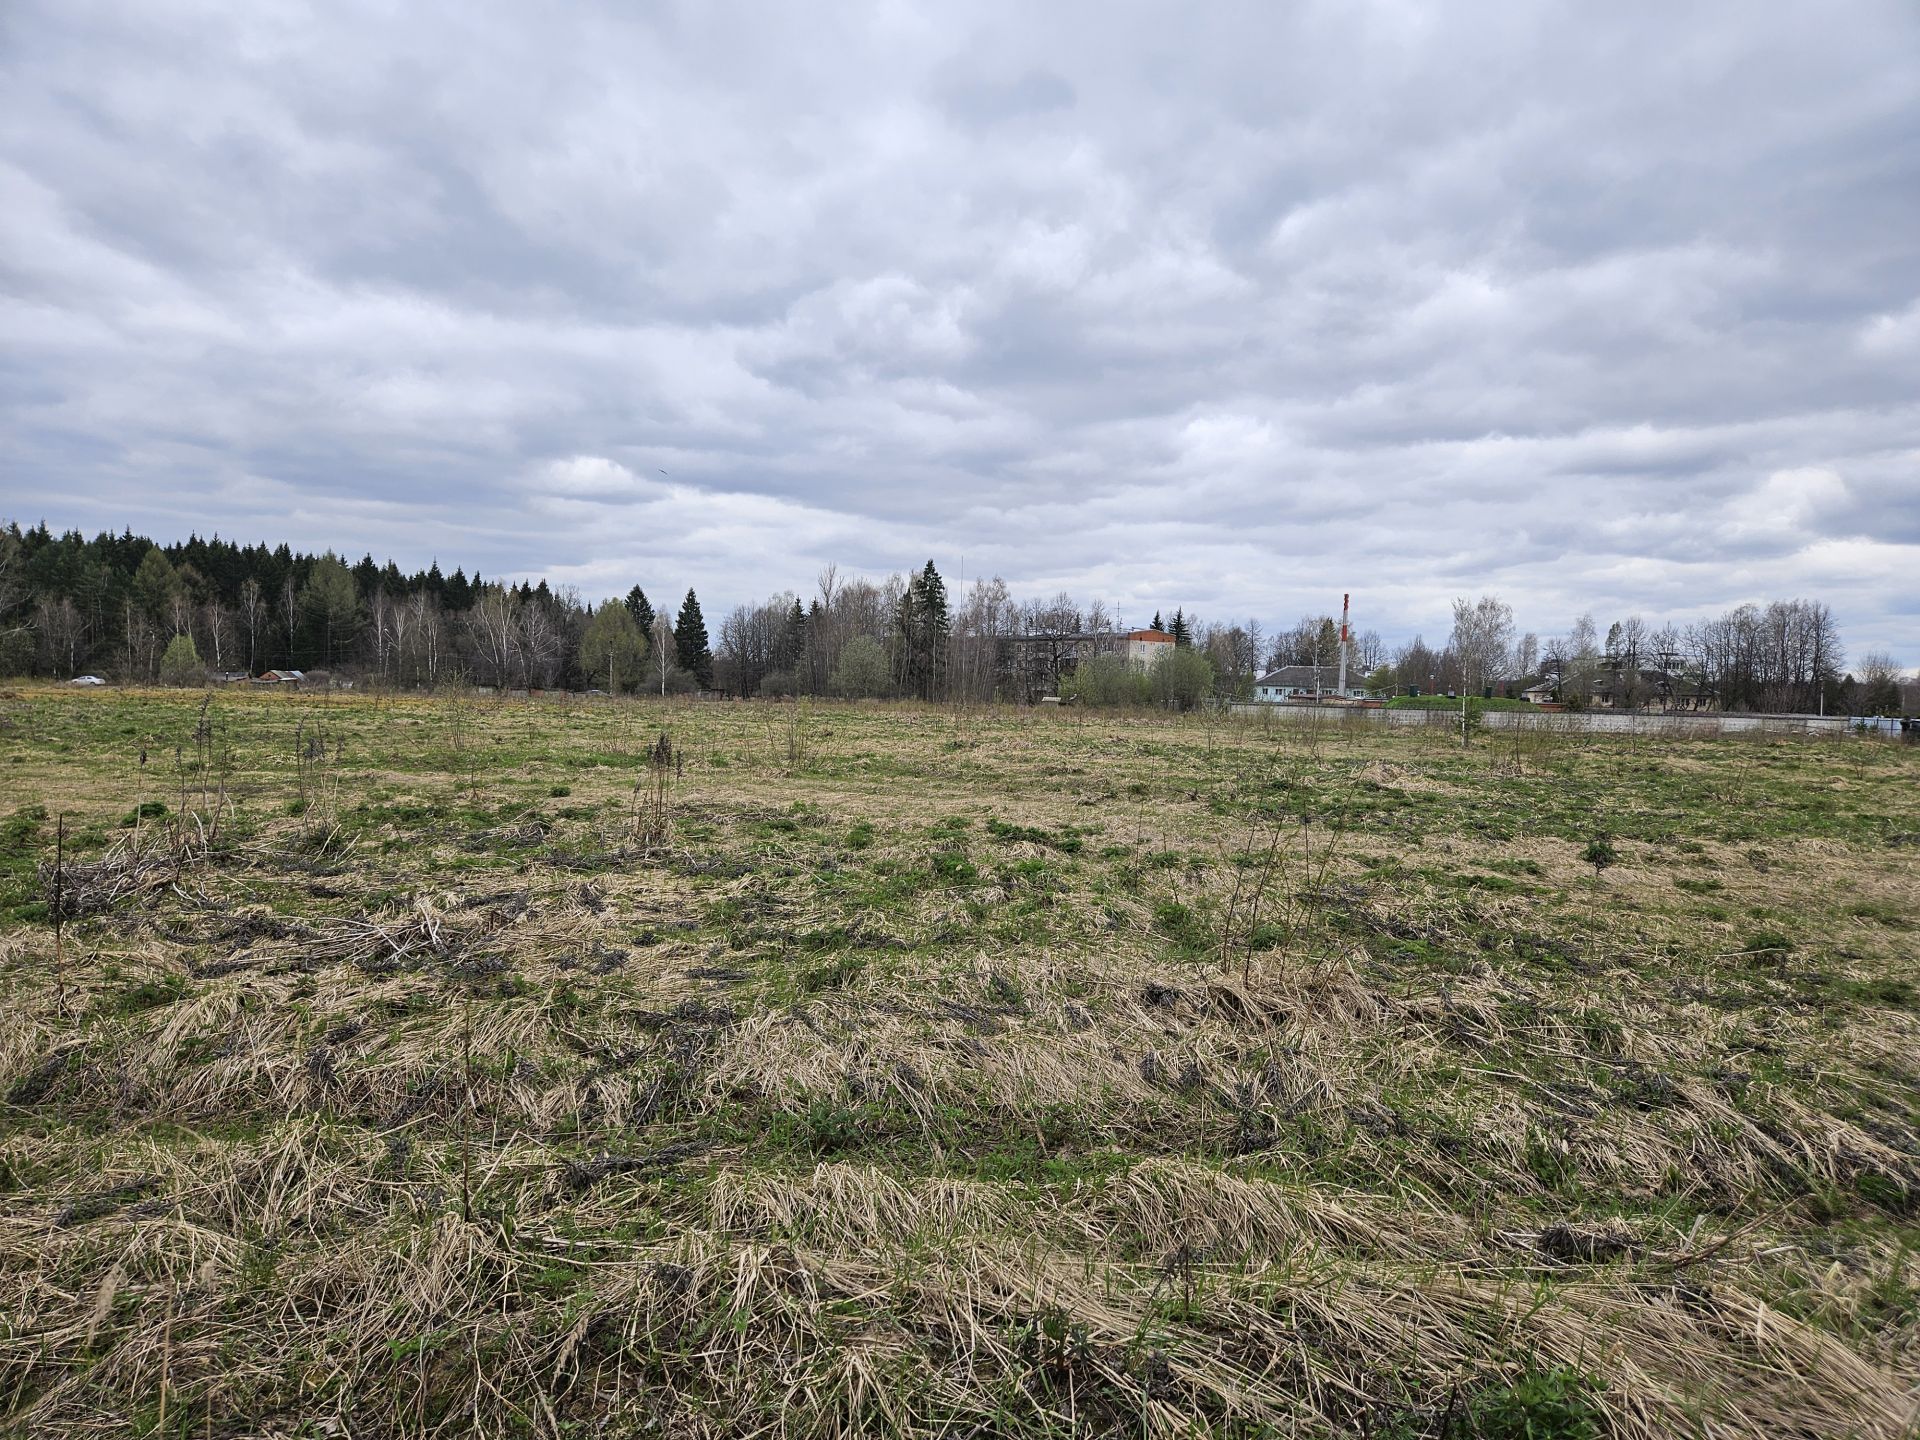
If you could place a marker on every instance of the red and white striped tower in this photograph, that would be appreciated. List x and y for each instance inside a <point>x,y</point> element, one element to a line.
<point>1343,645</point>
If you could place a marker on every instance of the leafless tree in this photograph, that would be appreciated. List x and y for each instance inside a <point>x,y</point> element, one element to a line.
<point>423,639</point>
<point>661,643</point>
<point>61,630</point>
<point>491,627</point>
<point>217,621</point>
<point>540,643</point>
<point>1482,639</point>
<point>1369,651</point>
<point>253,616</point>
<point>290,610</point>
<point>1526,654</point>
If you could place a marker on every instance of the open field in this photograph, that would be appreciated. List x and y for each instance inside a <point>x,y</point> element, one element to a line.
<point>415,1067</point>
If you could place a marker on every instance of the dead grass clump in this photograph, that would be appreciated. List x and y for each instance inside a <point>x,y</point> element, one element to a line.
<point>134,865</point>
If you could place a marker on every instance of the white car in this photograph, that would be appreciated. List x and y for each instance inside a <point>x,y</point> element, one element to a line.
<point>86,680</point>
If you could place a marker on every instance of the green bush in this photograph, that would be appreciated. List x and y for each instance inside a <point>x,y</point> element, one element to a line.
<point>1182,678</point>
<point>863,672</point>
<point>181,664</point>
<point>1107,681</point>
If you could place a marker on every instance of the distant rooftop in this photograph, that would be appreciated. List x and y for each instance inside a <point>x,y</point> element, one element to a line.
<point>1324,677</point>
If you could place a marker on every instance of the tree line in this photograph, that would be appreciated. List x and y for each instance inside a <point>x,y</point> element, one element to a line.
<point>126,605</point>
<point>1785,656</point>
<point>146,612</point>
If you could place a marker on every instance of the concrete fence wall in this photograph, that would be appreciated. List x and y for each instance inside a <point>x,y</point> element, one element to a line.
<point>1569,722</point>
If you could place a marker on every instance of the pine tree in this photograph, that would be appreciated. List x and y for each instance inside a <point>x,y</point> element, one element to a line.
<point>690,642</point>
<point>1156,622</point>
<point>641,609</point>
<point>1182,635</point>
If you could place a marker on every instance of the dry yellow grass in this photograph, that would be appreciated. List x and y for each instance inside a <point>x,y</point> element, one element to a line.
<point>936,1074</point>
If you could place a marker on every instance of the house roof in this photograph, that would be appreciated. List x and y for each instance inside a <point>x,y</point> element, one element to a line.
<point>1151,636</point>
<point>1324,677</point>
<point>1603,684</point>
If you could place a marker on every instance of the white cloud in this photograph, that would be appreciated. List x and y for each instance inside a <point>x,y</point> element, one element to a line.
<point>1238,309</point>
<point>1892,335</point>
<point>1787,506</point>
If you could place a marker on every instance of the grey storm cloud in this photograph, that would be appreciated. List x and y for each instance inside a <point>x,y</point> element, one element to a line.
<point>1235,307</point>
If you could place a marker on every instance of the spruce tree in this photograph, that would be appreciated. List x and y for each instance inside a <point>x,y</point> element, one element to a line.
<point>1156,622</point>
<point>690,642</point>
<point>641,609</point>
<point>1182,636</point>
<point>931,628</point>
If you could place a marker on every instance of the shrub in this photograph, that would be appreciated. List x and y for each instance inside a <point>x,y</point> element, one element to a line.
<point>1183,678</point>
<point>863,672</point>
<point>181,664</point>
<point>1107,680</point>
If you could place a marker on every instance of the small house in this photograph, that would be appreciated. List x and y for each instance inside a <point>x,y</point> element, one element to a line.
<point>1303,684</point>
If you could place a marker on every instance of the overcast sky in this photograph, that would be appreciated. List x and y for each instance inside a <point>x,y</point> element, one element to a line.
<point>1236,307</point>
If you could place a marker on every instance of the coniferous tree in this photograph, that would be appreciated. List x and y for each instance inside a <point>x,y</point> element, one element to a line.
<point>1156,622</point>
<point>929,632</point>
<point>690,642</point>
<point>1182,633</point>
<point>154,585</point>
<point>920,630</point>
<point>641,609</point>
